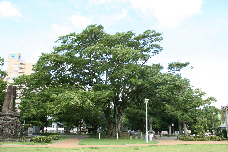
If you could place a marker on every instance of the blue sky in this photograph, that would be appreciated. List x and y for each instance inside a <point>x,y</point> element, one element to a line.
<point>194,31</point>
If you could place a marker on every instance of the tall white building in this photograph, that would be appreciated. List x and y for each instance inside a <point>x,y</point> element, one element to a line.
<point>16,68</point>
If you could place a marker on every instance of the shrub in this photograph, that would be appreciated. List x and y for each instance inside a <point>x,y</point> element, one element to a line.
<point>54,137</point>
<point>42,139</point>
<point>48,133</point>
<point>214,138</point>
<point>224,133</point>
<point>26,126</point>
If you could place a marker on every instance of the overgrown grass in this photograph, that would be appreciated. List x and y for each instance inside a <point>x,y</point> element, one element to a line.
<point>32,142</point>
<point>108,141</point>
<point>170,148</point>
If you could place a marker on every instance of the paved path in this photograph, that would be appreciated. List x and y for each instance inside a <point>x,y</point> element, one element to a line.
<point>73,141</point>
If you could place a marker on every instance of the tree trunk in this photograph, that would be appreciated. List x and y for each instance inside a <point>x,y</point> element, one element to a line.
<point>109,128</point>
<point>116,120</point>
<point>180,127</point>
<point>185,128</point>
<point>117,117</point>
<point>67,129</point>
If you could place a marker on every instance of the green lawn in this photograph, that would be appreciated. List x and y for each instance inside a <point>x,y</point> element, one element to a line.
<point>96,141</point>
<point>172,148</point>
<point>32,142</point>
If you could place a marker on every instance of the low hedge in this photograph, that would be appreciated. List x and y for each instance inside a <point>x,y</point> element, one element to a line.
<point>54,137</point>
<point>210,138</point>
<point>48,133</point>
<point>45,139</point>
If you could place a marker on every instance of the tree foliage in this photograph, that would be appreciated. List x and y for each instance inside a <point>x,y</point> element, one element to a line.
<point>94,76</point>
<point>2,84</point>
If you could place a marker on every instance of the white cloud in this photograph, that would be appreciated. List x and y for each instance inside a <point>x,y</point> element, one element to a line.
<point>115,18</point>
<point>80,21</point>
<point>169,13</point>
<point>122,15</point>
<point>58,30</point>
<point>7,9</point>
<point>98,1</point>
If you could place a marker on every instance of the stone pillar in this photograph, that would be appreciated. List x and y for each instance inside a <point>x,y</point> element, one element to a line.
<point>10,126</point>
<point>9,102</point>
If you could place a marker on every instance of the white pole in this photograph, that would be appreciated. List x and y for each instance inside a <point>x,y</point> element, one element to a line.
<point>117,135</point>
<point>146,100</point>
<point>99,135</point>
<point>141,135</point>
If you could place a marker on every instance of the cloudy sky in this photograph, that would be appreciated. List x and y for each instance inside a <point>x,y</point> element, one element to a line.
<point>194,31</point>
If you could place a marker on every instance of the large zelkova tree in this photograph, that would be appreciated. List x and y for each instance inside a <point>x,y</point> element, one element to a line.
<point>35,97</point>
<point>206,118</point>
<point>172,101</point>
<point>43,103</point>
<point>111,67</point>
<point>183,101</point>
<point>3,84</point>
<point>160,88</point>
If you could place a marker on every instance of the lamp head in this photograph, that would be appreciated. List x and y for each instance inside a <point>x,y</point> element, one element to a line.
<point>146,100</point>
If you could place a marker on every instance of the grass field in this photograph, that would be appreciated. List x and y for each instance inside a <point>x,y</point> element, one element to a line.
<point>105,141</point>
<point>32,142</point>
<point>172,148</point>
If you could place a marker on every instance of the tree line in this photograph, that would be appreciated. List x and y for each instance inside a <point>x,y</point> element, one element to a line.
<point>104,79</point>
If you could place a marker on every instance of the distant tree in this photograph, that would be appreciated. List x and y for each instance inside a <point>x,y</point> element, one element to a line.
<point>3,84</point>
<point>177,66</point>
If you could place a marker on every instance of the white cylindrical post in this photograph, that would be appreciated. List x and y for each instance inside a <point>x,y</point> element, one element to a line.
<point>99,135</point>
<point>116,135</point>
<point>146,100</point>
<point>151,137</point>
<point>141,135</point>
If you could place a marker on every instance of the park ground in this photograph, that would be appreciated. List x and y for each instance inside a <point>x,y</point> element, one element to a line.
<point>165,144</point>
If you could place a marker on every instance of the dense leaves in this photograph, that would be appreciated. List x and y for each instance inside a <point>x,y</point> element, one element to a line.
<point>2,84</point>
<point>104,80</point>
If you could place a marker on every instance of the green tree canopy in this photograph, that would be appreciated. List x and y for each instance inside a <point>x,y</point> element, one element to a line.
<point>2,84</point>
<point>100,62</point>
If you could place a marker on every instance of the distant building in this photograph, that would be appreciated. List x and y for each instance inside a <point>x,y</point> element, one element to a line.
<point>224,116</point>
<point>16,68</point>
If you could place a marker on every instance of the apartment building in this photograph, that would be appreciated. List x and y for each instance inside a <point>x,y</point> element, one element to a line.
<point>16,68</point>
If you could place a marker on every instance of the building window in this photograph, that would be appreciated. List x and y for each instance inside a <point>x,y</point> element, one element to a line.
<point>12,56</point>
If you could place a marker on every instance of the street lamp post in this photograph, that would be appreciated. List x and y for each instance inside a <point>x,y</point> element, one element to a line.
<point>146,101</point>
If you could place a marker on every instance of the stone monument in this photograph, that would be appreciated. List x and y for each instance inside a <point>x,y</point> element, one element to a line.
<point>10,126</point>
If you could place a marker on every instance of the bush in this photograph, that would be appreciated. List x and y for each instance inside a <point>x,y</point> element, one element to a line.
<point>224,133</point>
<point>26,126</point>
<point>213,138</point>
<point>48,134</point>
<point>44,139</point>
<point>54,137</point>
<point>27,138</point>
